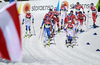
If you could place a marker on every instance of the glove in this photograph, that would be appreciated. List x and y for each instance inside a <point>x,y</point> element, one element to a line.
<point>88,11</point>
<point>83,12</point>
<point>32,21</point>
<point>41,27</point>
<point>44,19</point>
<point>22,23</point>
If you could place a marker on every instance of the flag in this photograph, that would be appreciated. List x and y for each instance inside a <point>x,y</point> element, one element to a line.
<point>97,6</point>
<point>10,33</point>
<point>58,6</point>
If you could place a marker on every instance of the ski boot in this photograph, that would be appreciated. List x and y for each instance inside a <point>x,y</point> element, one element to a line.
<point>94,26</point>
<point>61,27</point>
<point>58,30</point>
<point>81,31</point>
<point>44,43</point>
<point>67,46</point>
<point>25,36</point>
<point>72,45</point>
<point>70,41</point>
<point>30,34</point>
<point>66,43</point>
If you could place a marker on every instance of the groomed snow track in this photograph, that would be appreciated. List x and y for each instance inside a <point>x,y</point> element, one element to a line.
<point>34,52</point>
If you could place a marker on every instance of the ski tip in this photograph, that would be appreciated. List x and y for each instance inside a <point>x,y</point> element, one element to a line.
<point>87,43</point>
<point>95,34</point>
<point>98,50</point>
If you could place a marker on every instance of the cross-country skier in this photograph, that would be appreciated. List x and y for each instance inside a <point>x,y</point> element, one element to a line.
<point>28,21</point>
<point>63,11</point>
<point>47,26</point>
<point>69,32</point>
<point>71,17</point>
<point>80,18</point>
<point>94,14</point>
<point>78,8</point>
<point>48,14</point>
<point>55,19</point>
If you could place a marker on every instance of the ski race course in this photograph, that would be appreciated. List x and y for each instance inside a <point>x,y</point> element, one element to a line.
<point>34,52</point>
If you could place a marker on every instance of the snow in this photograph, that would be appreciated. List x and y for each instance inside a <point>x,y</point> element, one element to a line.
<point>34,52</point>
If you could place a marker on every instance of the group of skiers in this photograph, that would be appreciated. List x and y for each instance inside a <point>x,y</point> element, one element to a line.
<point>70,23</point>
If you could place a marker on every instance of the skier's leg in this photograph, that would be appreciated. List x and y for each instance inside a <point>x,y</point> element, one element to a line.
<point>62,19</point>
<point>58,25</point>
<point>76,13</point>
<point>66,41</point>
<point>78,25</point>
<point>94,19</point>
<point>61,23</point>
<point>26,29</point>
<point>45,35</point>
<point>48,34</point>
<point>81,24</point>
<point>29,29</point>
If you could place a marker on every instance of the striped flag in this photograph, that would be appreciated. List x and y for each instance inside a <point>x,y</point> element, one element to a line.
<point>10,33</point>
<point>58,5</point>
<point>97,6</point>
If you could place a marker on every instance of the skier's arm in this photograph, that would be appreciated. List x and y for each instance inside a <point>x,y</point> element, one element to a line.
<point>23,20</point>
<point>84,17</point>
<point>65,27</point>
<point>74,27</point>
<point>96,10</point>
<point>82,9</point>
<point>42,24</point>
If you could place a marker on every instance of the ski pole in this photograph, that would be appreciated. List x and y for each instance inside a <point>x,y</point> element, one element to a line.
<point>34,29</point>
<point>40,34</point>
<point>87,22</point>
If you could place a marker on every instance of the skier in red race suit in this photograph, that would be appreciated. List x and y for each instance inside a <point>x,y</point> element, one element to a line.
<point>71,17</point>
<point>55,19</point>
<point>81,17</point>
<point>48,14</point>
<point>77,8</point>
<point>94,14</point>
